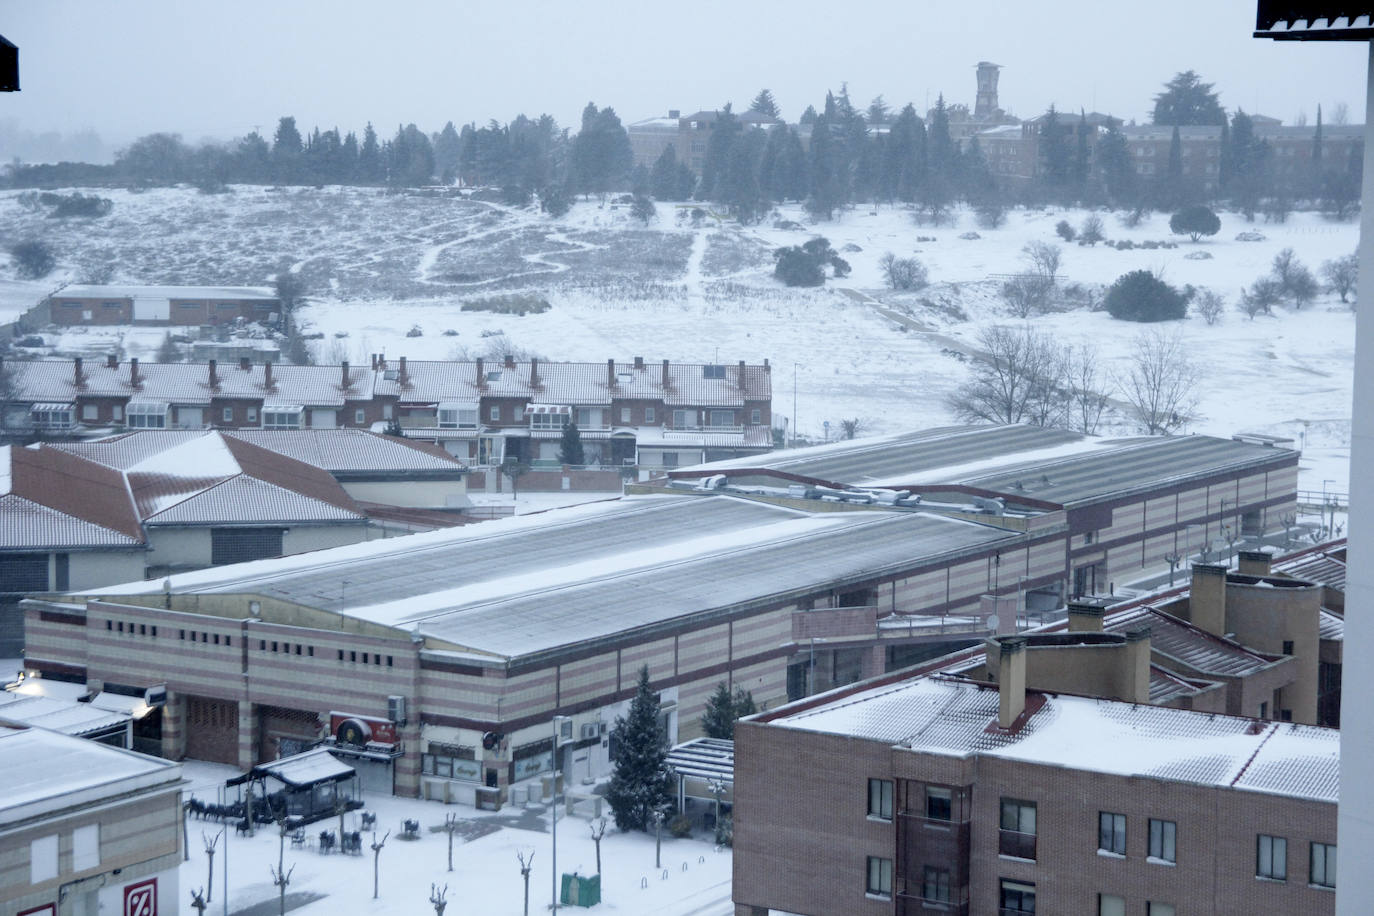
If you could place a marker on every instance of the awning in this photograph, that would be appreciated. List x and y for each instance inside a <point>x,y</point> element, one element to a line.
<point>51,406</point>
<point>458,405</point>
<point>704,758</point>
<point>532,410</point>
<point>118,702</point>
<point>310,768</point>
<point>146,408</point>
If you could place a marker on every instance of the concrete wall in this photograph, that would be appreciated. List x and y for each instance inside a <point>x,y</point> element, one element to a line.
<point>416,494</point>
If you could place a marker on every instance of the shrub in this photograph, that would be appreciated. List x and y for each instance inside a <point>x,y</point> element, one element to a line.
<point>725,831</point>
<point>1194,222</point>
<point>796,268</point>
<point>991,214</point>
<point>1209,306</point>
<point>33,259</point>
<point>643,209</point>
<point>1091,231</point>
<point>1262,296</point>
<point>903,273</point>
<point>78,204</point>
<point>680,826</point>
<point>1065,231</point>
<point>1141,296</point>
<point>554,202</point>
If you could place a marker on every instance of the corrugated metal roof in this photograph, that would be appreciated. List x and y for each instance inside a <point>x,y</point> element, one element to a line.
<point>1190,645</point>
<point>1331,626</point>
<point>27,525</point>
<point>1316,567</point>
<point>66,716</point>
<point>165,292</point>
<point>339,450</point>
<point>943,715</point>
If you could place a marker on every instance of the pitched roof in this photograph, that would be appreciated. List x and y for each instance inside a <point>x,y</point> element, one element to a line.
<point>345,450</point>
<point>57,499</point>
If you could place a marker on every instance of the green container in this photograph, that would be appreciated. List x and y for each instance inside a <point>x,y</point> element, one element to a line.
<point>581,890</point>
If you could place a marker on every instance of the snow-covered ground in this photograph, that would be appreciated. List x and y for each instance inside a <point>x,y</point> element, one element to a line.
<point>384,266</point>
<point>694,879</point>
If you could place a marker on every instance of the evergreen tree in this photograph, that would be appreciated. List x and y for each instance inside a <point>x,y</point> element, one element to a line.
<point>446,150</point>
<point>1315,179</point>
<point>718,721</point>
<point>254,158</point>
<point>348,158</point>
<point>1116,168</point>
<point>827,178</point>
<point>1081,156</point>
<point>788,177</point>
<point>663,177</point>
<point>570,447</point>
<point>1056,159</point>
<point>878,112</point>
<point>939,146</point>
<point>601,155</point>
<point>286,151</point>
<point>639,750</point>
<point>370,169</point>
<point>808,116</point>
<point>727,127</point>
<point>1187,100</point>
<point>739,188</point>
<point>764,104</point>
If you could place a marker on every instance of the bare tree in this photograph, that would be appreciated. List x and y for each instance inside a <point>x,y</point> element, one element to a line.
<point>1209,306</point>
<point>1019,378</point>
<point>903,273</point>
<point>436,898</point>
<point>525,865</point>
<point>1342,274</point>
<point>198,902</point>
<point>210,843</point>
<point>450,827</point>
<point>1043,258</point>
<point>598,829</point>
<point>281,880</point>
<point>376,858</point>
<point>1091,231</point>
<point>1262,296</point>
<point>852,427</point>
<point>1026,294</point>
<point>1160,383</point>
<point>1088,392</point>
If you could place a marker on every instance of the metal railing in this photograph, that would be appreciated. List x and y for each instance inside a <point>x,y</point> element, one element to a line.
<point>1017,845</point>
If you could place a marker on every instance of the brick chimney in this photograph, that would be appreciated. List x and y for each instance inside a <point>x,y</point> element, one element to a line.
<point>610,373</point>
<point>1011,677</point>
<point>1085,614</point>
<point>535,381</point>
<point>481,375</point>
<point>78,377</point>
<point>214,378</point>
<point>344,380</point>
<point>1207,598</point>
<point>267,375</point>
<point>1137,688</point>
<point>402,376</point>
<point>741,375</point>
<point>1255,563</point>
<point>510,361</point>
<point>133,373</point>
<point>111,361</point>
<point>766,367</point>
<point>665,373</point>
<point>639,362</point>
<point>245,364</point>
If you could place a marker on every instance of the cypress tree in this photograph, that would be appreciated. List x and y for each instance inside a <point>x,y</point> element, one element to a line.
<point>639,751</point>
<point>570,448</point>
<point>663,177</point>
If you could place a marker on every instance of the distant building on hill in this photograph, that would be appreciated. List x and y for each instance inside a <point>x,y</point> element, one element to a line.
<point>157,305</point>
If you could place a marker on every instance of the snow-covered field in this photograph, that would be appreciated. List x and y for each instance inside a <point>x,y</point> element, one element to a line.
<point>383,266</point>
<point>486,871</point>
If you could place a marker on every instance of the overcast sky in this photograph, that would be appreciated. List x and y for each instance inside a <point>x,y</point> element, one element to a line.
<point>220,69</point>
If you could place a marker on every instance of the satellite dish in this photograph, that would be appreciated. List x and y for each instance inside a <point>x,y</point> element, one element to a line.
<point>993,623</point>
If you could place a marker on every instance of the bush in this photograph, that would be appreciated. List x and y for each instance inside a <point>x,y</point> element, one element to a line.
<point>33,259</point>
<point>1194,222</point>
<point>1065,231</point>
<point>991,214</point>
<point>903,273</point>
<point>725,831</point>
<point>1141,296</point>
<point>1091,231</point>
<point>680,826</point>
<point>796,268</point>
<point>78,204</point>
<point>555,203</point>
<point>643,209</point>
<point>1209,306</point>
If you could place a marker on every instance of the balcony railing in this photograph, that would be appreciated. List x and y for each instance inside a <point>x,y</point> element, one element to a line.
<point>696,428</point>
<point>1018,845</point>
<point>916,905</point>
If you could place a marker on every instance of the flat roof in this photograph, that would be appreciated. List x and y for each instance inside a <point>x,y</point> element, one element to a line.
<point>530,584</point>
<point>942,715</point>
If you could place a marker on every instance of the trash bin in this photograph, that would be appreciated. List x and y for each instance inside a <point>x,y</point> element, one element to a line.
<point>580,890</point>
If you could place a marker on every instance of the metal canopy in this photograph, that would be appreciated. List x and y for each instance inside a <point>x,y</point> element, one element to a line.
<point>704,758</point>
<point>1314,20</point>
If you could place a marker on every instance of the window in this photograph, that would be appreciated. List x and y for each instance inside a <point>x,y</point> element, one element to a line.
<point>1111,905</point>
<point>1159,909</point>
<point>684,419</point>
<point>494,414</point>
<point>548,420</point>
<point>451,762</point>
<point>43,859</point>
<point>1017,897</point>
<point>86,847</point>
<point>282,418</point>
<point>880,798</point>
<point>625,415</point>
<point>360,416</point>
<point>90,412</point>
<point>584,418</point>
<point>53,416</point>
<point>252,415</point>
<point>238,545</point>
<point>117,412</point>
<point>670,459</point>
<point>1288,647</point>
<point>939,804</point>
<point>722,418</point>
<point>713,372</point>
<point>649,415</point>
<point>1322,869</point>
<point>1162,837</point>
<point>935,885</point>
<point>755,416</point>
<point>1264,710</point>
<point>110,305</point>
<point>228,415</point>
<point>1111,833</point>
<point>1271,857</point>
<point>147,415</point>
<point>1017,837</point>
<point>879,876</point>
<point>456,417</point>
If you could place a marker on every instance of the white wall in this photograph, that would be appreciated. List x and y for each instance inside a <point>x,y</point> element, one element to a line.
<point>416,494</point>
<point>89,569</point>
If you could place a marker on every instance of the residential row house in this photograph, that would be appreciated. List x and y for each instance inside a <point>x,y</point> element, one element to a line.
<point>485,413</point>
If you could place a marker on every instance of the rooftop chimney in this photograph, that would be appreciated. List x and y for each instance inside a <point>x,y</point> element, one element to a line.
<point>610,373</point>
<point>112,361</point>
<point>402,376</point>
<point>1137,689</point>
<point>344,381</point>
<point>133,372</point>
<point>214,378</point>
<point>1256,563</point>
<point>267,375</point>
<point>78,377</point>
<point>534,372</point>
<point>481,376</point>
<point>510,361</point>
<point>1011,678</point>
<point>245,364</point>
<point>639,362</point>
<point>766,367</point>
<point>741,373</point>
<point>1085,614</point>
<point>1207,598</point>
<point>665,373</point>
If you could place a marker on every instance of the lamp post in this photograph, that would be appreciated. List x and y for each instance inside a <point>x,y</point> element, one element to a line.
<point>559,722</point>
<point>794,405</point>
<point>1327,507</point>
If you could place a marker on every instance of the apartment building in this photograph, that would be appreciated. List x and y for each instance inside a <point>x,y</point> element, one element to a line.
<point>916,794</point>
<point>86,828</point>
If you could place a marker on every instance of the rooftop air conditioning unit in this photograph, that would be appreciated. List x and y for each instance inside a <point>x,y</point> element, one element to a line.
<point>590,730</point>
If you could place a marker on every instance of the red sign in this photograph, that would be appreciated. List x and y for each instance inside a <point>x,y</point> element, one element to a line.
<point>141,899</point>
<point>47,909</point>
<point>379,731</point>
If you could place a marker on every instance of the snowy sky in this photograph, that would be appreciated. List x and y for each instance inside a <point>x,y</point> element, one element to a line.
<point>220,69</point>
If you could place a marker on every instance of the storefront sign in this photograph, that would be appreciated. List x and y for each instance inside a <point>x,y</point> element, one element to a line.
<point>141,899</point>
<point>373,730</point>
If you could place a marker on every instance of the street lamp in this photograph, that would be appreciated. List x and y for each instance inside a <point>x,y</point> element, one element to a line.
<point>794,405</point>
<point>562,725</point>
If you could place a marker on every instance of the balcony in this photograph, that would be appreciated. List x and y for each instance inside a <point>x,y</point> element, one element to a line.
<point>1016,845</point>
<point>696,428</point>
<point>916,905</point>
<point>835,623</point>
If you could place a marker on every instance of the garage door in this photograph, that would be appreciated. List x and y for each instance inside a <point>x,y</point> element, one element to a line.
<point>212,730</point>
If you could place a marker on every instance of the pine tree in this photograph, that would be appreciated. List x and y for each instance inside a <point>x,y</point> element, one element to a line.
<point>1315,180</point>
<point>286,151</point>
<point>570,448</point>
<point>370,157</point>
<point>446,149</point>
<point>718,721</point>
<point>1187,100</point>
<point>663,179</point>
<point>764,104</point>
<point>639,750</point>
<point>717,160</point>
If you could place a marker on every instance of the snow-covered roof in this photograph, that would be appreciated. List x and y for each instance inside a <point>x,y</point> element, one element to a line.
<point>306,769</point>
<point>345,451</point>
<point>1192,646</point>
<point>47,772</point>
<point>525,585</point>
<point>165,292</point>
<point>945,716</point>
<point>66,716</point>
